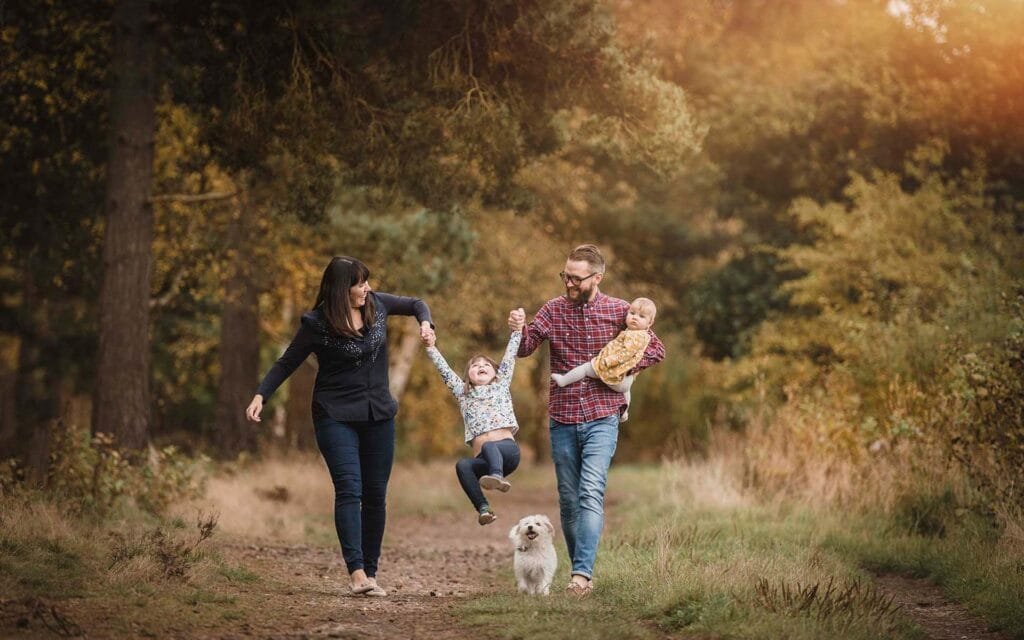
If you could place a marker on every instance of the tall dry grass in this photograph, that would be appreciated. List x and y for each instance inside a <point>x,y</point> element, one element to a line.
<point>51,550</point>
<point>290,498</point>
<point>790,460</point>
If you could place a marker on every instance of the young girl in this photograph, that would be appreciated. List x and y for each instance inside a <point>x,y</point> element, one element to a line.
<point>613,363</point>
<point>486,405</point>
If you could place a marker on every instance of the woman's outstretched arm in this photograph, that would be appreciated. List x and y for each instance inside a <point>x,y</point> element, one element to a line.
<point>296,353</point>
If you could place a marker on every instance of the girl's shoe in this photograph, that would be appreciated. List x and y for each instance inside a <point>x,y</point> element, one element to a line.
<point>492,483</point>
<point>487,517</point>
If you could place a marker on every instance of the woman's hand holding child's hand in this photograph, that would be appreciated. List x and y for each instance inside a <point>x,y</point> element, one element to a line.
<point>427,335</point>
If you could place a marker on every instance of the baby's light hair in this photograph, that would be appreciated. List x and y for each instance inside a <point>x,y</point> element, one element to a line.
<point>646,304</point>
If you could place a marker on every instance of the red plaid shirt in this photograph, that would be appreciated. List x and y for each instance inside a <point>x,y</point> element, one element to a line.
<point>576,334</point>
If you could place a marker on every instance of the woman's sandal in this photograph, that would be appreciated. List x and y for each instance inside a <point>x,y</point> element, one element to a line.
<point>376,590</point>
<point>361,589</point>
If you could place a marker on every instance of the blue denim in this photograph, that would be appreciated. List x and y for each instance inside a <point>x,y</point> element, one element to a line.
<point>359,456</point>
<point>497,458</point>
<point>582,454</point>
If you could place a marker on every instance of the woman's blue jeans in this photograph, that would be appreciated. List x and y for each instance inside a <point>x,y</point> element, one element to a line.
<point>359,456</point>
<point>497,458</point>
<point>582,454</point>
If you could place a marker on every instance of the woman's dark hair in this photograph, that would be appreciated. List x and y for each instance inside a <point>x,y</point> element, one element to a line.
<point>341,274</point>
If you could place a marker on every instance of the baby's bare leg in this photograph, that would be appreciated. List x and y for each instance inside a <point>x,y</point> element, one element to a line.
<point>623,388</point>
<point>585,370</point>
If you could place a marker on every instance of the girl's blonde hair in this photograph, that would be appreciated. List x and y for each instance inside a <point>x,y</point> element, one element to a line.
<point>468,386</point>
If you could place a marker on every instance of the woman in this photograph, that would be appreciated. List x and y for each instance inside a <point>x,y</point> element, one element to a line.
<point>353,410</point>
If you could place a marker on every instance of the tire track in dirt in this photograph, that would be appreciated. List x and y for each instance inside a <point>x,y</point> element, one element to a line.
<point>922,601</point>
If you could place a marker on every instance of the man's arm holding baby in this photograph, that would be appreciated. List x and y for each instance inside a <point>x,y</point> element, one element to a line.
<point>653,354</point>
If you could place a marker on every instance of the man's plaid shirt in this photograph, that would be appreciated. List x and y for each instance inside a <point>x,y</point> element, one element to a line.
<point>576,334</point>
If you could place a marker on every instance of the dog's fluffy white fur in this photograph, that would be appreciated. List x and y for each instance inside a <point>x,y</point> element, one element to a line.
<point>535,560</point>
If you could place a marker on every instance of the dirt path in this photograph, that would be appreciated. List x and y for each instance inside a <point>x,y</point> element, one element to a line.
<point>941,619</point>
<point>429,565</point>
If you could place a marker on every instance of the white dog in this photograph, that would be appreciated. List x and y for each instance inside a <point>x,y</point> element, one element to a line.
<point>535,560</point>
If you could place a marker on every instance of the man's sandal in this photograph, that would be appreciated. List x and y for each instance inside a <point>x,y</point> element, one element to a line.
<point>578,591</point>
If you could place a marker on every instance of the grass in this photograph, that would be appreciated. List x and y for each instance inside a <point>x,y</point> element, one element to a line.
<point>291,499</point>
<point>687,553</point>
<point>970,562</point>
<point>130,573</point>
<point>126,574</point>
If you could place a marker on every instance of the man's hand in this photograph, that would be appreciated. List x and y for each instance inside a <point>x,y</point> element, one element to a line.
<point>517,319</point>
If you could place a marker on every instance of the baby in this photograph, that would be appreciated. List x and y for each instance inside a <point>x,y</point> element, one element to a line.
<point>612,364</point>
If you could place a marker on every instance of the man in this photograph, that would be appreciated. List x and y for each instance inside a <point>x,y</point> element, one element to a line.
<point>584,416</point>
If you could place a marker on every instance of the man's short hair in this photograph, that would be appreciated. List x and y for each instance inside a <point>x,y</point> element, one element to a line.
<point>590,254</point>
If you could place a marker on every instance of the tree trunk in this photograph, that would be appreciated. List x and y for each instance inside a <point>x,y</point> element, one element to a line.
<point>298,422</point>
<point>36,403</point>
<point>10,348</point>
<point>401,362</point>
<point>239,340</point>
<point>36,384</point>
<point>122,405</point>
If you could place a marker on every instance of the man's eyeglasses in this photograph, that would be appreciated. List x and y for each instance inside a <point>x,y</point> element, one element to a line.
<point>575,280</point>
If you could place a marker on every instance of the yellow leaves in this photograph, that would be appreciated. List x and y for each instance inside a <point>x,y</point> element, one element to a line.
<point>889,250</point>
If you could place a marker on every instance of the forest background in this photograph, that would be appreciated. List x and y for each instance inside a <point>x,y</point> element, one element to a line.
<point>824,199</point>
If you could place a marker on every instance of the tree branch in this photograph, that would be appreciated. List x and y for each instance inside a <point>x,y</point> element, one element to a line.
<point>169,290</point>
<point>190,198</point>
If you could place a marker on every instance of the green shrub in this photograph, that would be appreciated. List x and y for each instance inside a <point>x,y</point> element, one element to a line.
<point>91,473</point>
<point>987,437</point>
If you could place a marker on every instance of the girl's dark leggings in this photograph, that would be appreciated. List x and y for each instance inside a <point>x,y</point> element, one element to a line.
<point>498,458</point>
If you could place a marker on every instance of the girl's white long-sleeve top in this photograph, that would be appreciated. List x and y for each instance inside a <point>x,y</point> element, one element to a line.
<point>488,407</point>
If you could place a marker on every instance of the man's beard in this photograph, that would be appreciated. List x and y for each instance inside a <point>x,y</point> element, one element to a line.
<point>583,296</point>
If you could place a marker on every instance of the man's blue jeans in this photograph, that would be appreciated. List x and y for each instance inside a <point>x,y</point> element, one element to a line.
<point>359,456</point>
<point>582,454</point>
